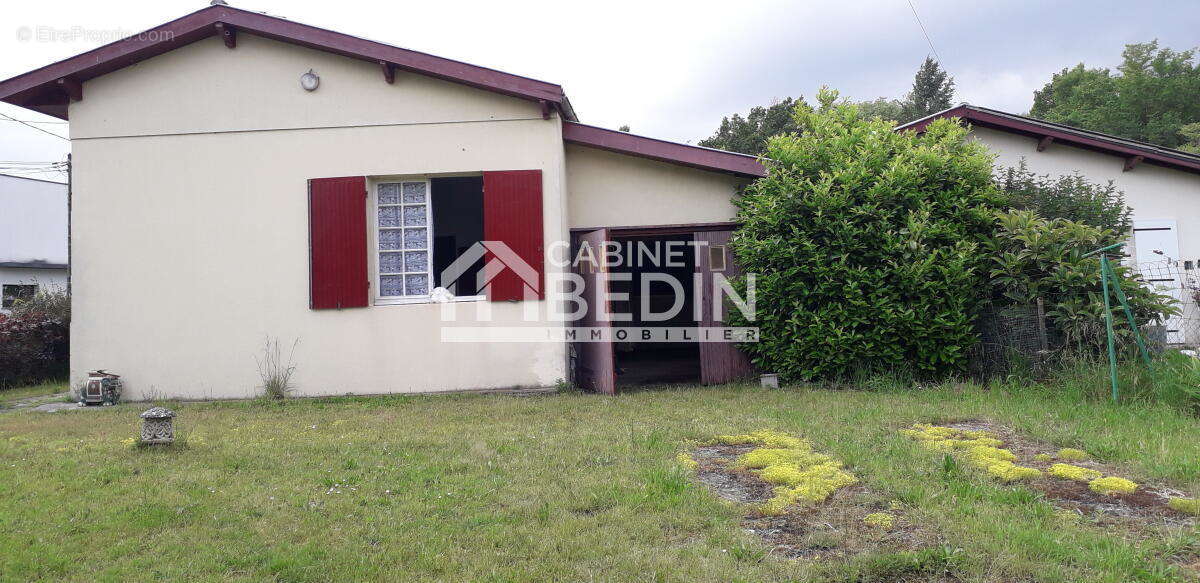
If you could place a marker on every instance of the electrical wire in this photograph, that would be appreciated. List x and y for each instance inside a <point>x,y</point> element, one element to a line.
<point>923,31</point>
<point>29,125</point>
<point>36,121</point>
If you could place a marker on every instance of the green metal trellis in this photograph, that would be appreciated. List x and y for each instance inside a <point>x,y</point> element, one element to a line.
<point>1107,275</point>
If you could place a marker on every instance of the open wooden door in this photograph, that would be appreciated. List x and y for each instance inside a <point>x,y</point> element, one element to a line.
<point>594,366</point>
<point>720,362</point>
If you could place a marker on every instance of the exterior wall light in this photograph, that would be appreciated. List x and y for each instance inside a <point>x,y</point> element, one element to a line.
<point>310,81</point>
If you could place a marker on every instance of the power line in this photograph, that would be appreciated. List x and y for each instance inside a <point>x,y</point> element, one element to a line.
<point>29,125</point>
<point>35,121</point>
<point>923,31</point>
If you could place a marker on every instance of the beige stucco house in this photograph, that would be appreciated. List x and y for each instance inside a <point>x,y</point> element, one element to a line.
<point>1161,185</point>
<point>239,177</point>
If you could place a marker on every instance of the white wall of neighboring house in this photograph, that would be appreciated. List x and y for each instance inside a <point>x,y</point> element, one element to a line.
<point>1158,196</point>
<point>33,232</point>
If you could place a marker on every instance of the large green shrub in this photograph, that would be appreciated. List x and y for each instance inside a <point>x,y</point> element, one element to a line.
<point>1071,197</point>
<point>35,340</point>
<point>865,245</point>
<point>1034,258</point>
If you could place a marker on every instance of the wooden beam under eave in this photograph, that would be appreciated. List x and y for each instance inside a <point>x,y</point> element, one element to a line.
<point>1131,163</point>
<point>73,88</point>
<point>545,108</point>
<point>1044,143</point>
<point>228,35</point>
<point>389,72</point>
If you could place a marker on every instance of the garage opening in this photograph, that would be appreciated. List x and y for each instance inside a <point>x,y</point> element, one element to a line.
<point>646,260</point>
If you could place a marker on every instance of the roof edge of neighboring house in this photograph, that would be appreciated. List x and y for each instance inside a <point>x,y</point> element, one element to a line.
<point>1133,151</point>
<point>49,89</point>
<point>743,165</point>
<point>32,265</point>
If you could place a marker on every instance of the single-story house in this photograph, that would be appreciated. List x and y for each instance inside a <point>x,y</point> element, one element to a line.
<point>240,177</point>
<point>1161,185</point>
<point>33,238</point>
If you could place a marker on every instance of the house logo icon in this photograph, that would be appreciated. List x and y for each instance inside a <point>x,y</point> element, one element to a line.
<point>501,257</point>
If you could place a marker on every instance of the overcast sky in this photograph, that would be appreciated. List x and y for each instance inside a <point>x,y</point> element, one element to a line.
<point>668,69</point>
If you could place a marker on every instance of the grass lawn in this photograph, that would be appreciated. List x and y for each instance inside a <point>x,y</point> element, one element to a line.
<point>554,488</point>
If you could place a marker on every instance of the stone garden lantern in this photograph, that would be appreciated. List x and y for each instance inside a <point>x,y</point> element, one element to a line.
<point>157,426</point>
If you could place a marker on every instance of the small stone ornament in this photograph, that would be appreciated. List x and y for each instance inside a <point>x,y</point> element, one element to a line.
<point>157,425</point>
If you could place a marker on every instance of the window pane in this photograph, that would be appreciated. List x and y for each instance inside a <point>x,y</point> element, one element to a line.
<point>417,260</point>
<point>391,263</point>
<point>414,216</point>
<point>389,193</point>
<point>389,238</point>
<point>391,285</point>
<point>389,216</point>
<point>414,239</point>
<point>414,192</point>
<point>418,285</point>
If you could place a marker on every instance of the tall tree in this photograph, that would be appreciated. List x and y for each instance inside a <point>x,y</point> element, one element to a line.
<point>749,134</point>
<point>932,91</point>
<point>1151,97</point>
<point>884,108</point>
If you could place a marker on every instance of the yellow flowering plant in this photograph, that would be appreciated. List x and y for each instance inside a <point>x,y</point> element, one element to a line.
<point>1076,473</point>
<point>1113,485</point>
<point>979,449</point>
<point>1072,454</point>
<point>880,520</point>
<point>1185,505</point>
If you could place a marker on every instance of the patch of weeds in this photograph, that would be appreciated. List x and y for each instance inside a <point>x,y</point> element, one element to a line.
<point>748,553</point>
<point>829,516</point>
<point>1076,487</point>
<point>799,474</point>
<point>275,373</point>
<point>924,564</point>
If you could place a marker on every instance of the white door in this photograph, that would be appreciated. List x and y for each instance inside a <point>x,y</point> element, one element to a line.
<point>1157,247</point>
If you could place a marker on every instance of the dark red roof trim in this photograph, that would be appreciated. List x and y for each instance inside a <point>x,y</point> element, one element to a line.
<point>683,154</point>
<point>40,90</point>
<point>1062,134</point>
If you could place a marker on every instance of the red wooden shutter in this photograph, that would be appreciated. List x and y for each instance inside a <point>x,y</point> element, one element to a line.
<point>337,241</point>
<point>512,213</point>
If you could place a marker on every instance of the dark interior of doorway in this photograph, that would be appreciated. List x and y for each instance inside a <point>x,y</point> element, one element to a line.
<point>653,363</point>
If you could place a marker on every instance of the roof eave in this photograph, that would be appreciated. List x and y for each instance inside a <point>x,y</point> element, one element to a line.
<point>39,89</point>
<point>1089,140</point>
<point>740,165</point>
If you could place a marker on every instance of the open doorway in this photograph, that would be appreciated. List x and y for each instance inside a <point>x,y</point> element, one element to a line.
<point>650,363</point>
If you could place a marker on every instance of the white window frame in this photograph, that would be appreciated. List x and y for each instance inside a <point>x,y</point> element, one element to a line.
<point>373,211</point>
<point>377,250</point>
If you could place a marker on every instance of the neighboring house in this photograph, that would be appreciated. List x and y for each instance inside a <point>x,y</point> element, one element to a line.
<point>239,176</point>
<point>1160,184</point>
<point>33,237</point>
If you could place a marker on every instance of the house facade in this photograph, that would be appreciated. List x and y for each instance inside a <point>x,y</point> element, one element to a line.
<point>33,238</point>
<point>254,179</point>
<point>1161,185</point>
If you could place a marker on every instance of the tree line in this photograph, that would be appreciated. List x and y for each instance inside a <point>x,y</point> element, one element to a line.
<point>1150,97</point>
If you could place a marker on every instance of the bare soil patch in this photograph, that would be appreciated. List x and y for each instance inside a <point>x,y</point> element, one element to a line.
<point>833,528</point>
<point>1147,504</point>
